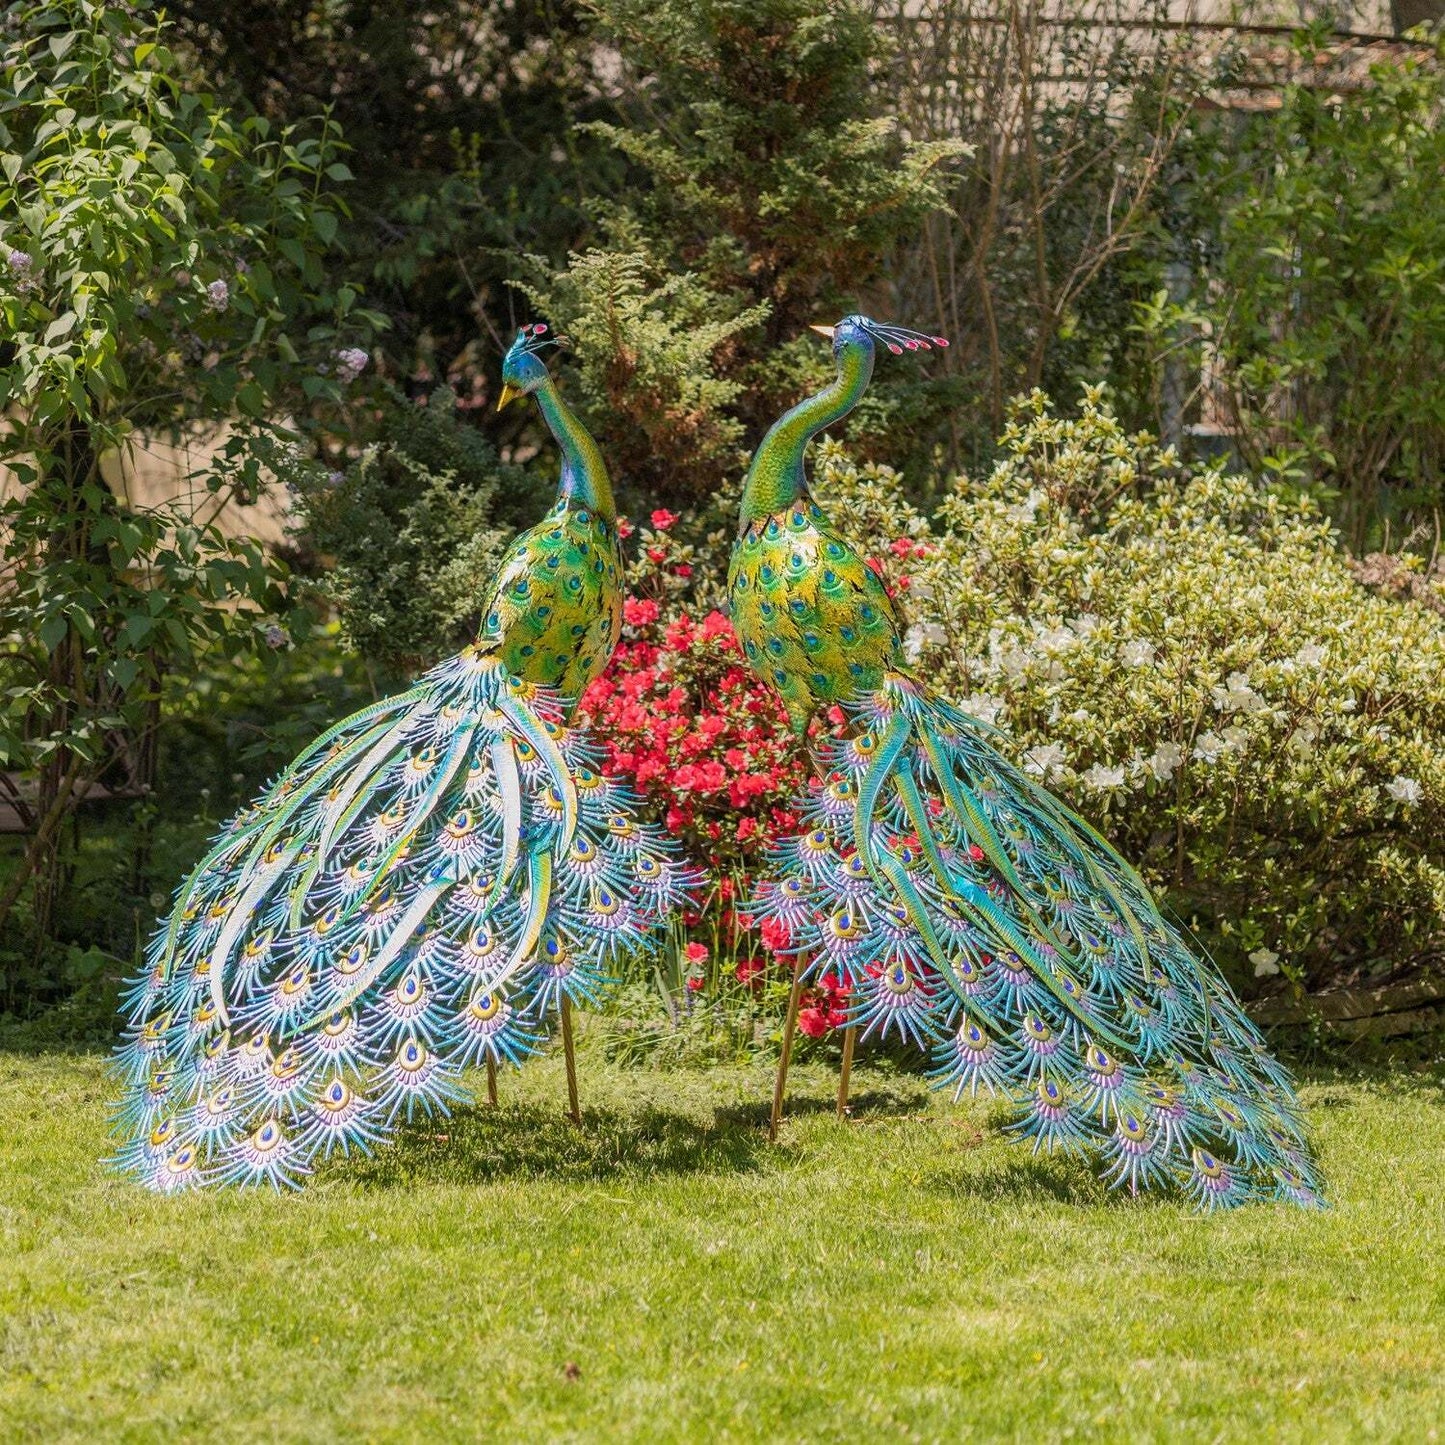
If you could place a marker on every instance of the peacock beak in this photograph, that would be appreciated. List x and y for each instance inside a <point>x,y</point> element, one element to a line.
<point>509,393</point>
<point>823,331</point>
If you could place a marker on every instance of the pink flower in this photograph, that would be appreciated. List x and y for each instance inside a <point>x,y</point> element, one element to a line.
<point>695,981</point>
<point>696,953</point>
<point>662,519</point>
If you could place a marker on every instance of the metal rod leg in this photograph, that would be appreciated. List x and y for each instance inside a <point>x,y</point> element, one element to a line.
<point>850,1038</point>
<point>573,1108</point>
<point>491,1081</point>
<point>790,1026</point>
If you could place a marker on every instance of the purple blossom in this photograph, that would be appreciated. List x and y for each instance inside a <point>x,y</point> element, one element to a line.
<point>218,296</point>
<point>22,268</point>
<point>275,635</point>
<point>350,363</point>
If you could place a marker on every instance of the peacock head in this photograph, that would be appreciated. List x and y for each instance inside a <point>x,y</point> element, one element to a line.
<point>522,369</point>
<point>862,334</point>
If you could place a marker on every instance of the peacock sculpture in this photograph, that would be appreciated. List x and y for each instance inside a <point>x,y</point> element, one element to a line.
<point>965,907</point>
<point>420,891</point>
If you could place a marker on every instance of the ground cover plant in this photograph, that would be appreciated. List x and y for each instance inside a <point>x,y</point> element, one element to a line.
<point>662,1273</point>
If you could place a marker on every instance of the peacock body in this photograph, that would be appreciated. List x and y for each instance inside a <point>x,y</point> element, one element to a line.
<point>966,908</point>
<point>414,894</point>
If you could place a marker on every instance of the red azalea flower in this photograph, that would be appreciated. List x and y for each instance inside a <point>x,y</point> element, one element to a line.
<point>625,527</point>
<point>901,547</point>
<point>696,952</point>
<point>748,970</point>
<point>662,519</point>
<point>813,1022</point>
<point>695,981</point>
<point>640,611</point>
<point>975,852</point>
<point>775,935</point>
<point>683,569</point>
<point>715,625</point>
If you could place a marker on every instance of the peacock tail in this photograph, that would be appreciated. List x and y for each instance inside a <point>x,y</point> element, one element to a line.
<point>965,907</point>
<point>968,910</point>
<point>412,896</point>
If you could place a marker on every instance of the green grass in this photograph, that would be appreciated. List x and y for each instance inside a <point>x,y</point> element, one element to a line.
<point>664,1274</point>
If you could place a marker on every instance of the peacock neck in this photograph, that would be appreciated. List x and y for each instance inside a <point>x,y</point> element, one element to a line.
<point>776,478</point>
<point>584,473</point>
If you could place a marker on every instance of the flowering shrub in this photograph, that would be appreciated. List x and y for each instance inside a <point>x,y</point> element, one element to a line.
<point>685,721</point>
<point>1190,661</point>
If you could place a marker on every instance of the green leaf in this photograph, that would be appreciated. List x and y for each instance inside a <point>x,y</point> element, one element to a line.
<point>59,328</point>
<point>52,631</point>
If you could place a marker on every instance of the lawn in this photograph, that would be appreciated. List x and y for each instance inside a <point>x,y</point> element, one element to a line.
<point>663,1274</point>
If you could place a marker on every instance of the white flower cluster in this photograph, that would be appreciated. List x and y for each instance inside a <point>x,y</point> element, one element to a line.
<point>921,635</point>
<point>1191,661</point>
<point>1405,790</point>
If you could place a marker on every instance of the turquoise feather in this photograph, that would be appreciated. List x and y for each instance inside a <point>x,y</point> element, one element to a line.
<point>417,893</point>
<point>968,909</point>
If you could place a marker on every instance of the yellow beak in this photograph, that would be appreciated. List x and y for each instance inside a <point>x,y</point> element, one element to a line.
<point>823,331</point>
<point>509,393</point>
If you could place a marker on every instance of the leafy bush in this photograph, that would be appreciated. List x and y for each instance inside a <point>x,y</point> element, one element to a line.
<point>409,534</point>
<point>160,264</point>
<point>1190,660</point>
<point>1322,285</point>
<point>767,182</point>
<point>1185,656</point>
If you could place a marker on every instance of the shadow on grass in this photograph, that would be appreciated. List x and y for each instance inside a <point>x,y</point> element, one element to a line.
<point>1041,1180</point>
<point>524,1140</point>
<point>878,1102</point>
<point>483,1144</point>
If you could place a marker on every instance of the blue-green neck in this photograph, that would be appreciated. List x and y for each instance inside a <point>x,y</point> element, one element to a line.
<point>776,479</point>
<point>584,473</point>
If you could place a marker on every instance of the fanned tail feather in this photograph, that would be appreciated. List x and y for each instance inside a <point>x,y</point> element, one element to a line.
<point>971,911</point>
<point>411,897</point>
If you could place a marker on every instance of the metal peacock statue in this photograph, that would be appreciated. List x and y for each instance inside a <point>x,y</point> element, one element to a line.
<point>416,893</point>
<point>966,907</point>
